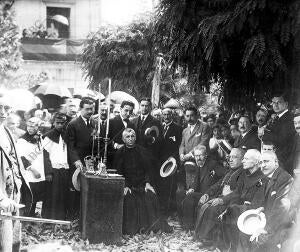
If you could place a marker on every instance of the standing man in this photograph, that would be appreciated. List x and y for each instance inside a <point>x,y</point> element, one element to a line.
<point>71,110</point>
<point>144,122</point>
<point>171,139</point>
<point>196,133</point>
<point>79,141</point>
<point>151,140</point>
<point>119,123</point>
<point>55,204</point>
<point>35,160</point>
<point>248,138</point>
<point>281,130</point>
<point>10,184</point>
<point>261,120</point>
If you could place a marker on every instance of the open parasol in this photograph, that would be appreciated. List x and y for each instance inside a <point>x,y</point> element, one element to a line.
<point>61,19</point>
<point>172,103</point>
<point>53,89</point>
<point>119,96</point>
<point>22,99</point>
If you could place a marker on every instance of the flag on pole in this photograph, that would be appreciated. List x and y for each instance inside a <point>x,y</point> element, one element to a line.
<point>156,83</point>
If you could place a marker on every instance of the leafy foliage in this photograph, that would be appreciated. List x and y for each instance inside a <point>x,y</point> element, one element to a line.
<point>248,43</point>
<point>10,56</point>
<point>125,54</point>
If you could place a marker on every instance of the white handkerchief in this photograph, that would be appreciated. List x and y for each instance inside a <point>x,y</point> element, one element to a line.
<point>273,193</point>
<point>198,134</point>
<point>173,138</point>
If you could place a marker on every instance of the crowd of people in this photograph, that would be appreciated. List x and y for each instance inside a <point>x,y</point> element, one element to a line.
<point>222,166</point>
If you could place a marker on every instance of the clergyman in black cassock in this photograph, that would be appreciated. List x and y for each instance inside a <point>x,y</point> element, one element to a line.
<point>141,208</point>
<point>206,217</point>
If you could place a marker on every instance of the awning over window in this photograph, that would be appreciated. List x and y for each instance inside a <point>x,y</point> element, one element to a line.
<point>51,49</point>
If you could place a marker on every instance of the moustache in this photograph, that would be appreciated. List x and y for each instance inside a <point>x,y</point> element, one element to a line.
<point>297,128</point>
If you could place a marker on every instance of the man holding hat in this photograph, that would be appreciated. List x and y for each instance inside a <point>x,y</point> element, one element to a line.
<point>149,134</point>
<point>275,207</point>
<point>171,139</point>
<point>249,194</point>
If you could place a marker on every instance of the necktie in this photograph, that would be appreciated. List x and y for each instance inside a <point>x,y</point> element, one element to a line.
<point>142,119</point>
<point>88,124</point>
<point>126,121</point>
<point>166,129</point>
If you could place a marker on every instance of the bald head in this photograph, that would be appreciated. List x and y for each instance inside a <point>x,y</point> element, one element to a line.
<point>251,160</point>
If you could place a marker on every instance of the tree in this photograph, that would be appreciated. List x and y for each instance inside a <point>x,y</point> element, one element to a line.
<point>10,56</point>
<point>247,43</point>
<point>125,54</point>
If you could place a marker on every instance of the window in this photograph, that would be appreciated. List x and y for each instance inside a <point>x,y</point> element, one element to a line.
<point>58,22</point>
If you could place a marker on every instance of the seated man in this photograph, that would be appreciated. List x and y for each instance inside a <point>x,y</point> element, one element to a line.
<point>275,207</point>
<point>206,218</point>
<point>249,194</point>
<point>208,173</point>
<point>140,200</point>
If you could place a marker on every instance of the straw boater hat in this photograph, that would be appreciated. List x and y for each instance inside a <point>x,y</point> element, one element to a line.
<point>250,221</point>
<point>152,131</point>
<point>76,179</point>
<point>168,167</point>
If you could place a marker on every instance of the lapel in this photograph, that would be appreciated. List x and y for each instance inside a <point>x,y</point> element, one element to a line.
<point>195,130</point>
<point>148,120</point>
<point>81,122</point>
<point>120,122</point>
<point>272,180</point>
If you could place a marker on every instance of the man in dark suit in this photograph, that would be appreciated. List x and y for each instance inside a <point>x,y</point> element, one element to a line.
<point>281,130</point>
<point>149,141</point>
<point>79,138</point>
<point>119,123</point>
<point>171,139</point>
<point>143,122</point>
<point>276,206</point>
<point>208,173</point>
<point>248,138</point>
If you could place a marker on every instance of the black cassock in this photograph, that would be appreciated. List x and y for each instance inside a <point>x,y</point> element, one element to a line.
<point>140,210</point>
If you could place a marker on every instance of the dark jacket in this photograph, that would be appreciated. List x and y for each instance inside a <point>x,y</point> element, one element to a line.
<point>79,140</point>
<point>230,178</point>
<point>249,141</point>
<point>146,141</point>
<point>281,133</point>
<point>171,139</point>
<point>116,128</point>
<point>207,175</point>
<point>137,172</point>
<point>276,199</point>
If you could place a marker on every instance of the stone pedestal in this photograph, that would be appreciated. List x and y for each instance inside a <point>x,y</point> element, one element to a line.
<point>101,208</point>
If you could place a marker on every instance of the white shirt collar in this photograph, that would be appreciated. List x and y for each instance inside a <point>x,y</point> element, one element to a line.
<point>144,116</point>
<point>282,113</point>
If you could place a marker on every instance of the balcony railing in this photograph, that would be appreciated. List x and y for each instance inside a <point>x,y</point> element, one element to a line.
<point>51,49</point>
